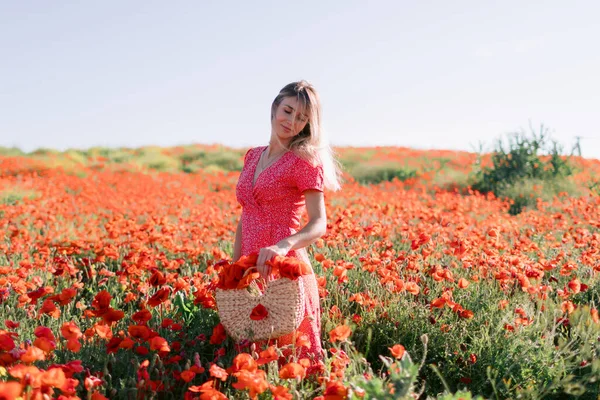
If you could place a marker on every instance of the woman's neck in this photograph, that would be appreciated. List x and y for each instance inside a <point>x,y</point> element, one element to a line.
<point>275,148</point>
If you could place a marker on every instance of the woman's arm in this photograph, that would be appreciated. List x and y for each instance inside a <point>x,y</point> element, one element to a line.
<point>237,244</point>
<point>314,229</point>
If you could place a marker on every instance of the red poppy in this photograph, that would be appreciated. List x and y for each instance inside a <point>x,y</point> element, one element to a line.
<point>65,296</point>
<point>244,361</point>
<point>45,332</point>
<point>157,279</point>
<point>33,354</point>
<point>267,356</point>
<point>289,267</point>
<point>112,346</point>
<point>11,390</point>
<point>250,275</point>
<point>187,375</point>
<point>48,307</point>
<point>339,333</point>
<point>142,316</point>
<point>45,344</point>
<point>111,316</point>
<point>73,345</point>
<point>397,351</point>
<point>159,344</point>
<point>335,390</point>
<point>103,331</point>
<point>101,300</point>
<point>159,297</point>
<point>127,343</point>
<point>255,382</point>
<point>412,287</point>
<point>218,334</point>
<point>139,332</point>
<point>280,393</point>
<point>208,391</point>
<point>259,313</point>
<point>91,382</point>
<point>574,285</point>
<point>303,340</point>
<point>6,342</point>
<point>292,371</point>
<point>218,372</point>
<point>11,324</point>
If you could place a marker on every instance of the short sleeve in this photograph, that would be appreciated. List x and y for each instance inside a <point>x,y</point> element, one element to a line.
<point>246,155</point>
<point>308,177</point>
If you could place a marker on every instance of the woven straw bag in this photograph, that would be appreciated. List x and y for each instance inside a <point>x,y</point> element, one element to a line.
<point>284,300</point>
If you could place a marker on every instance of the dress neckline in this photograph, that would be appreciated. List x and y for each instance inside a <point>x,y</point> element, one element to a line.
<point>255,177</point>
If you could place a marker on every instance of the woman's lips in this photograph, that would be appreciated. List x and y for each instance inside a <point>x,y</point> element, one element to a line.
<point>287,130</point>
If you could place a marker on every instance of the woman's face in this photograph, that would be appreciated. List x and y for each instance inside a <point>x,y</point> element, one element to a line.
<point>289,120</point>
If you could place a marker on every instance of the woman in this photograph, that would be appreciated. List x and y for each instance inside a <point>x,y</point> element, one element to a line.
<point>276,183</point>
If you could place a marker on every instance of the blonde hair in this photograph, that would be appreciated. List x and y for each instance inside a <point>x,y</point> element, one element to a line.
<point>311,143</point>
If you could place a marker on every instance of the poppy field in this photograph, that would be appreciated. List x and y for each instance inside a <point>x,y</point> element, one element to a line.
<point>429,289</point>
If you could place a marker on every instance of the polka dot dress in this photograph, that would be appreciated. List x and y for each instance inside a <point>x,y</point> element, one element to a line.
<point>271,211</point>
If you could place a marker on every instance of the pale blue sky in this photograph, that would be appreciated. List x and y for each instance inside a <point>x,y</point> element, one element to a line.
<point>425,74</point>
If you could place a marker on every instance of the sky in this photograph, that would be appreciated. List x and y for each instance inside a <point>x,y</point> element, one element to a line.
<point>453,75</point>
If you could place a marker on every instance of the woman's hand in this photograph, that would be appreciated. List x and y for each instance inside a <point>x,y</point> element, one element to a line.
<point>266,253</point>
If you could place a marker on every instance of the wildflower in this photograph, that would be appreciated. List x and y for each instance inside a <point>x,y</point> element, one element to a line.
<point>10,390</point>
<point>6,342</point>
<point>463,283</point>
<point>595,317</point>
<point>267,356</point>
<point>218,334</point>
<point>292,371</point>
<point>218,372</point>
<point>142,316</point>
<point>159,344</point>
<point>159,297</point>
<point>397,351</point>
<point>255,382</point>
<point>340,333</point>
<point>244,361</point>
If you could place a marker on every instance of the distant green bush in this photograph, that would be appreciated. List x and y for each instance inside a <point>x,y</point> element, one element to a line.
<point>524,193</point>
<point>42,151</point>
<point>367,174</point>
<point>154,158</point>
<point>120,156</point>
<point>11,151</point>
<point>527,164</point>
<point>75,156</point>
<point>225,160</point>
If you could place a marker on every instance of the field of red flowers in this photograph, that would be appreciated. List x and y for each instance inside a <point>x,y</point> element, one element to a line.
<point>108,275</point>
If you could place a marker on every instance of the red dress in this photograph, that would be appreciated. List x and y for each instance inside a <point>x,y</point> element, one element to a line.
<point>271,211</point>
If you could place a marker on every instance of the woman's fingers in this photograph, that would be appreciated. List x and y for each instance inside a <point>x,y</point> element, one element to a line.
<point>264,271</point>
<point>263,256</point>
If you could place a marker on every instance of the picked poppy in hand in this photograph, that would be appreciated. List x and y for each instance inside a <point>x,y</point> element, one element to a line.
<point>289,267</point>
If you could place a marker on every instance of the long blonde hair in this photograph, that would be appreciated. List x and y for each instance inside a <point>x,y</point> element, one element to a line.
<point>311,143</point>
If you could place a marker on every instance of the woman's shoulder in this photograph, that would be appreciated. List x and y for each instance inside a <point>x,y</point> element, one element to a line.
<point>313,164</point>
<point>252,151</point>
<point>308,174</point>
